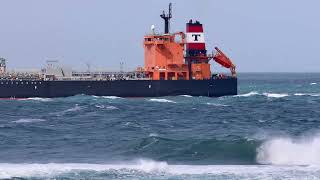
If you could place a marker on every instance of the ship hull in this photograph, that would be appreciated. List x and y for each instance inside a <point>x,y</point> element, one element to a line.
<point>123,88</point>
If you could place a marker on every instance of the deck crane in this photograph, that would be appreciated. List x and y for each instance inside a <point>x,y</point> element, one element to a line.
<point>224,61</point>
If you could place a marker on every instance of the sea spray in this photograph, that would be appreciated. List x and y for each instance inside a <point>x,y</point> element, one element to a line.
<point>289,151</point>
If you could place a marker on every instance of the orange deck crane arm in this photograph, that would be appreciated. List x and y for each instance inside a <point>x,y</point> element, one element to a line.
<point>223,60</point>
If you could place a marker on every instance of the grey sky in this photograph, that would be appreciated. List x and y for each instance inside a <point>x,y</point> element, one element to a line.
<point>269,35</point>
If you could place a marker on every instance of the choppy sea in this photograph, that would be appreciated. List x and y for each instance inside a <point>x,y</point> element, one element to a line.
<point>271,130</point>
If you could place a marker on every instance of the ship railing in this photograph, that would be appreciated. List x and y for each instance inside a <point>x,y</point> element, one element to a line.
<point>222,76</point>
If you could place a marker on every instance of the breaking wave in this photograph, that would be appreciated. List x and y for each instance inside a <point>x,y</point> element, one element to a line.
<point>234,151</point>
<point>277,151</point>
<point>289,151</point>
<point>54,169</point>
<point>162,100</point>
<point>148,169</point>
<point>313,83</point>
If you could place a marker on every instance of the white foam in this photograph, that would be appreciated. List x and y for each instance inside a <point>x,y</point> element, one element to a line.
<point>106,107</point>
<point>153,135</point>
<point>288,151</point>
<point>313,83</point>
<point>254,171</point>
<point>162,100</point>
<point>307,94</point>
<point>217,104</point>
<point>252,93</point>
<point>28,120</point>
<point>100,106</point>
<point>275,95</point>
<point>38,99</point>
<point>51,169</point>
<point>300,94</point>
<point>75,108</point>
<point>186,96</point>
<point>111,97</point>
<point>269,95</point>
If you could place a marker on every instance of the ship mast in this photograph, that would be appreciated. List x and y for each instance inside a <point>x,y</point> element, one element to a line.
<point>166,18</point>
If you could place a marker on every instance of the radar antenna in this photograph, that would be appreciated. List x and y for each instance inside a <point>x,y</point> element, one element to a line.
<point>166,18</point>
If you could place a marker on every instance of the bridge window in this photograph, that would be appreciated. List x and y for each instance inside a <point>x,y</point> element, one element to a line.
<point>178,39</point>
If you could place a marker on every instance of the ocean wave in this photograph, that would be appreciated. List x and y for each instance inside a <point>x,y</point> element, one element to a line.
<point>106,107</point>
<point>269,95</point>
<point>289,151</point>
<point>70,110</point>
<point>217,104</point>
<point>153,169</point>
<point>111,97</point>
<point>252,93</point>
<point>107,97</point>
<point>313,83</point>
<point>153,135</point>
<point>307,94</point>
<point>55,169</point>
<point>73,109</point>
<point>38,99</point>
<point>186,96</point>
<point>28,120</point>
<point>235,150</point>
<point>162,100</point>
<point>275,95</point>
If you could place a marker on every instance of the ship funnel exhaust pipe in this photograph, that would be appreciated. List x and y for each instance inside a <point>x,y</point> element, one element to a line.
<point>166,18</point>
